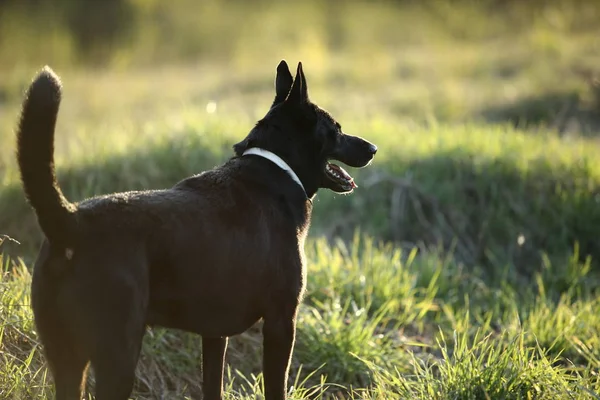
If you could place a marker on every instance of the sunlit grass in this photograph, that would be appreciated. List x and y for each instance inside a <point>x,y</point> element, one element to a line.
<point>361,348</point>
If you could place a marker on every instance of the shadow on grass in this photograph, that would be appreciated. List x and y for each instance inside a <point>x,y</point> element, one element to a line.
<point>487,214</point>
<point>490,214</point>
<point>565,112</point>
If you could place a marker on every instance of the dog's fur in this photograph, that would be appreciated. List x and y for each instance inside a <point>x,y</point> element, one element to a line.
<point>212,255</point>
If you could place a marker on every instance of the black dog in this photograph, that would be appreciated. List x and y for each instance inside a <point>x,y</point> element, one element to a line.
<point>212,255</point>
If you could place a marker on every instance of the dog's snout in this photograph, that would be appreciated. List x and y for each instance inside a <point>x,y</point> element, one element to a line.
<point>354,151</point>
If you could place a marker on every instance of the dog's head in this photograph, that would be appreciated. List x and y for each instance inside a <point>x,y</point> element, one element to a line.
<point>307,137</point>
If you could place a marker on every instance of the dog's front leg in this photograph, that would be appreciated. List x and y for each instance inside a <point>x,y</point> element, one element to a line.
<point>213,360</point>
<point>278,342</point>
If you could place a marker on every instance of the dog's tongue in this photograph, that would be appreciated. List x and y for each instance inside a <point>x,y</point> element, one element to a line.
<point>343,174</point>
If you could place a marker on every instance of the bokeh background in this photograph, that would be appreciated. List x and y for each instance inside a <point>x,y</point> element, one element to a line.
<point>466,263</point>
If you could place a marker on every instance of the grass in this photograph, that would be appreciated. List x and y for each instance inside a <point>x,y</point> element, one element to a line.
<point>465,266</point>
<point>418,342</point>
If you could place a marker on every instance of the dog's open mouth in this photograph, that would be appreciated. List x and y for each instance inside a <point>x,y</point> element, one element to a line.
<point>340,178</point>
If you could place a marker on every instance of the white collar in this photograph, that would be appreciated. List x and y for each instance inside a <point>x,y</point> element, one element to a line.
<point>274,158</point>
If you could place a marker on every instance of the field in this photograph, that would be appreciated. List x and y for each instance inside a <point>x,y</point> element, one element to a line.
<point>465,265</point>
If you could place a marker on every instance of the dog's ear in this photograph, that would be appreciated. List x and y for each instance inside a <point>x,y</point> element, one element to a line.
<point>299,92</point>
<point>283,83</point>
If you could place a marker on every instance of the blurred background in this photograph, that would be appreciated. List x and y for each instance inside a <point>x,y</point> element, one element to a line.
<point>486,114</point>
<point>477,106</point>
<point>441,59</point>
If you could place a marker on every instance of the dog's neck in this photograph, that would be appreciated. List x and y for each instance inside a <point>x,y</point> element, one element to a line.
<point>275,159</point>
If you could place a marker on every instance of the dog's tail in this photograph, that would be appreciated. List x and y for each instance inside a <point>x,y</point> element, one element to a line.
<point>35,154</point>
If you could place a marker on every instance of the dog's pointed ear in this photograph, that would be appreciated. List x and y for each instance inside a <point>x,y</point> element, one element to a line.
<point>283,83</point>
<point>299,91</point>
<point>304,86</point>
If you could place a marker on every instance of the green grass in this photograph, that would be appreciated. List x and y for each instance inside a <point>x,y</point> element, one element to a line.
<point>465,266</point>
<point>419,342</point>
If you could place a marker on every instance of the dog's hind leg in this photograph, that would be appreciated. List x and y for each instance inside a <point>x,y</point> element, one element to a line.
<point>278,340</point>
<point>118,348</point>
<point>115,372</point>
<point>68,370</point>
<point>115,322</point>
<point>66,358</point>
<point>213,362</point>
<point>69,380</point>
<point>55,324</point>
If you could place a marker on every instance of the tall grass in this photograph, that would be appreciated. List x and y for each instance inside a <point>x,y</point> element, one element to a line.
<point>356,347</point>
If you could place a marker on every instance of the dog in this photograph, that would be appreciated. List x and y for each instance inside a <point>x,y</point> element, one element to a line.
<point>212,255</point>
